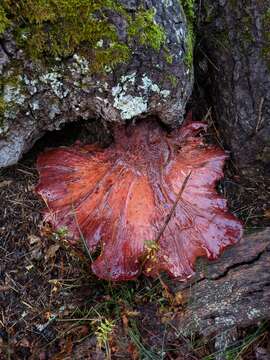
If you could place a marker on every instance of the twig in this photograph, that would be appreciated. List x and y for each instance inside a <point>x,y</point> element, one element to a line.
<point>81,234</point>
<point>210,61</point>
<point>260,118</point>
<point>173,208</point>
<point>208,114</point>
<point>161,231</point>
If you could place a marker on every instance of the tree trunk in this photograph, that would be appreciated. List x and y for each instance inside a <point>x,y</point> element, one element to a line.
<point>233,291</point>
<point>236,40</point>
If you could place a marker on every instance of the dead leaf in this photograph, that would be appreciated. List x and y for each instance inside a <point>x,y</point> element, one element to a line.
<point>133,351</point>
<point>51,252</point>
<point>125,323</point>
<point>24,342</point>
<point>33,239</point>
<point>5,183</point>
<point>4,288</point>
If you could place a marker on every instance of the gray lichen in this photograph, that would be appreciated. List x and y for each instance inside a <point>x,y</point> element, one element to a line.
<point>132,105</point>
<point>54,80</point>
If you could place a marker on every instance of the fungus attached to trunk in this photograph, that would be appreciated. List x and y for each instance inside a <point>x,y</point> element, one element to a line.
<point>148,201</point>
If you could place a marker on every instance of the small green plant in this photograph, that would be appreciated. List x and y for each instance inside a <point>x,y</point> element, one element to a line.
<point>60,233</point>
<point>103,333</point>
<point>151,249</point>
<point>145,352</point>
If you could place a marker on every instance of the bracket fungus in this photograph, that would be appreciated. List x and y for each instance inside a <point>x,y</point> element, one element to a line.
<point>148,201</point>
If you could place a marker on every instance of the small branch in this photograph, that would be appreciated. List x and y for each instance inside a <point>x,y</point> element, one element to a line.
<point>260,118</point>
<point>153,249</point>
<point>173,208</point>
<point>81,234</point>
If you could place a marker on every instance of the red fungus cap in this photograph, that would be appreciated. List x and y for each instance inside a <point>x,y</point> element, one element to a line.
<point>148,201</point>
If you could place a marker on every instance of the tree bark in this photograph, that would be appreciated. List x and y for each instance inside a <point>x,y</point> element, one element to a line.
<point>233,291</point>
<point>235,38</point>
<point>154,78</point>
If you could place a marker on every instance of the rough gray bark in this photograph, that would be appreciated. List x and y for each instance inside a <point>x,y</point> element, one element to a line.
<point>236,40</point>
<point>43,98</point>
<point>232,291</point>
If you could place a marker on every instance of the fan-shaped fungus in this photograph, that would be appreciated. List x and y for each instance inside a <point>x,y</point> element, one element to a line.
<point>149,200</point>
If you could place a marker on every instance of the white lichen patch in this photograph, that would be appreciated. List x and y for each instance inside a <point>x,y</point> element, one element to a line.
<point>31,84</point>
<point>3,126</point>
<point>108,69</point>
<point>116,90</point>
<point>165,93</point>
<point>127,80</point>
<point>167,3</point>
<point>102,86</point>
<point>35,105</point>
<point>180,34</point>
<point>80,65</point>
<point>149,86</point>
<point>225,321</point>
<point>253,313</point>
<point>54,80</point>
<point>100,43</point>
<point>13,98</point>
<point>130,105</point>
<point>13,94</point>
<point>54,110</point>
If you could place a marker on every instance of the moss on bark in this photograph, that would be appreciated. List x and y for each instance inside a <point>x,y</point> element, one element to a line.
<point>189,10</point>
<point>49,29</point>
<point>266,38</point>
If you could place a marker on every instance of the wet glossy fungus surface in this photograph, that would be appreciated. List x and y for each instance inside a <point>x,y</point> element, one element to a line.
<point>149,187</point>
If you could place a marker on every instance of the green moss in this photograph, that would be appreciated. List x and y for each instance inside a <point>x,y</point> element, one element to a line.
<point>243,30</point>
<point>112,56</point>
<point>210,13</point>
<point>2,111</point>
<point>57,28</point>
<point>49,29</point>
<point>2,104</point>
<point>233,3</point>
<point>4,22</point>
<point>190,46</point>
<point>189,9</point>
<point>266,38</point>
<point>146,30</point>
<point>246,30</point>
<point>245,25</point>
<point>222,40</point>
<point>167,56</point>
<point>173,79</point>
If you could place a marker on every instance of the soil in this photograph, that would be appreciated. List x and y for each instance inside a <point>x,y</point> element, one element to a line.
<point>52,307</point>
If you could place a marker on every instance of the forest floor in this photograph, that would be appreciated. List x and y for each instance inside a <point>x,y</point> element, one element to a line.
<point>53,307</point>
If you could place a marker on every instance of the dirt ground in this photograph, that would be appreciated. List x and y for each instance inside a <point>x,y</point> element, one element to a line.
<point>52,307</point>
